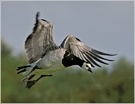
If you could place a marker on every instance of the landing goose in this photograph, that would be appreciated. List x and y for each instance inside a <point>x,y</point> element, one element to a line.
<point>46,58</point>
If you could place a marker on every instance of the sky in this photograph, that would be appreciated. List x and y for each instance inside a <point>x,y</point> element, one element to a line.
<point>107,26</point>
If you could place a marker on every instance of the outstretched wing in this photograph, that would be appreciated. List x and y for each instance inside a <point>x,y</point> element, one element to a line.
<point>38,42</point>
<point>79,49</point>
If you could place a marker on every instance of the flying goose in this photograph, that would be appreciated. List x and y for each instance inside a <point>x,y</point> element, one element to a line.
<point>46,58</point>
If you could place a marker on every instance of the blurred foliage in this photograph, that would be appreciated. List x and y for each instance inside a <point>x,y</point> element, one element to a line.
<point>70,85</point>
<point>5,48</point>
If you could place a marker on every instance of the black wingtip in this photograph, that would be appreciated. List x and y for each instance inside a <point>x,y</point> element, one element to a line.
<point>100,57</point>
<point>37,15</point>
<point>102,53</point>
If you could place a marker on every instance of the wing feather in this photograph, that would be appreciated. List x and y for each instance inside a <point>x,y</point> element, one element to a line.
<point>92,60</point>
<point>79,49</point>
<point>40,40</point>
<point>88,60</point>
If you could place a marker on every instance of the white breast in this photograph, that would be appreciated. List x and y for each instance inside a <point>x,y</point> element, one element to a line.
<point>52,61</point>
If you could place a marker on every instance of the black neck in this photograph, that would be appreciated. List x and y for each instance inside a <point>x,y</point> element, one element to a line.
<point>70,59</point>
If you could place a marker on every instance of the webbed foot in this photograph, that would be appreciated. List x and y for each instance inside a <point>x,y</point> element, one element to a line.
<point>30,83</point>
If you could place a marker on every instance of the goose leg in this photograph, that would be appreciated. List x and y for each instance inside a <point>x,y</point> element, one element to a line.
<point>30,83</point>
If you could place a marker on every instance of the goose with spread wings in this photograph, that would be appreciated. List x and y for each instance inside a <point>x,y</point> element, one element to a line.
<point>46,58</point>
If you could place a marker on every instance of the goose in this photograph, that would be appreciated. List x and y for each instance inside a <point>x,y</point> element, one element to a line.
<point>45,57</point>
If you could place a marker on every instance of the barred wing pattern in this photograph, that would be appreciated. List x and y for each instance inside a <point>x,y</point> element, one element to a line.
<point>39,41</point>
<point>79,49</point>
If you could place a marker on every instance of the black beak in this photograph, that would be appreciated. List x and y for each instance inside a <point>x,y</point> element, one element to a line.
<point>90,70</point>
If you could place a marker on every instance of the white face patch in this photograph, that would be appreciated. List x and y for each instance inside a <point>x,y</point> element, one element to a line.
<point>86,66</point>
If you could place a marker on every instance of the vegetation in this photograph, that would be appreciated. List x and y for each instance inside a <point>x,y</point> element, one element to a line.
<point>70,85</point>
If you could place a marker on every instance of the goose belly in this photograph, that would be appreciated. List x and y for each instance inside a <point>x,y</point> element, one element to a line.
<point>52,61</point>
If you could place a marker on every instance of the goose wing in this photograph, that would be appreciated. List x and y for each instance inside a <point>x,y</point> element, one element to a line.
<point>40,40</point>
<point>84,52</point>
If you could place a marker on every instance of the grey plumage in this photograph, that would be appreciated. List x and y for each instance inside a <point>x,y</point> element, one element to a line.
<point>40,40</point>
<point>43,53</point>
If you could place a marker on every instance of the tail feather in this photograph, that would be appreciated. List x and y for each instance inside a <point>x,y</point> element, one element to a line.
<point>21,71</point>
<point>22,67</point>
<point>27,69</point>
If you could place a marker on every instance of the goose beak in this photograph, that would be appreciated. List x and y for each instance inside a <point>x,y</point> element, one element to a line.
<point>90,70</point>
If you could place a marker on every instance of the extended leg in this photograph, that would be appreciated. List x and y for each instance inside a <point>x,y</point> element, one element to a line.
<point>30,83</point>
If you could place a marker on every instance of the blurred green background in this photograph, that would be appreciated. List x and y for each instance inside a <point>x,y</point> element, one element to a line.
<point>68,86</point>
